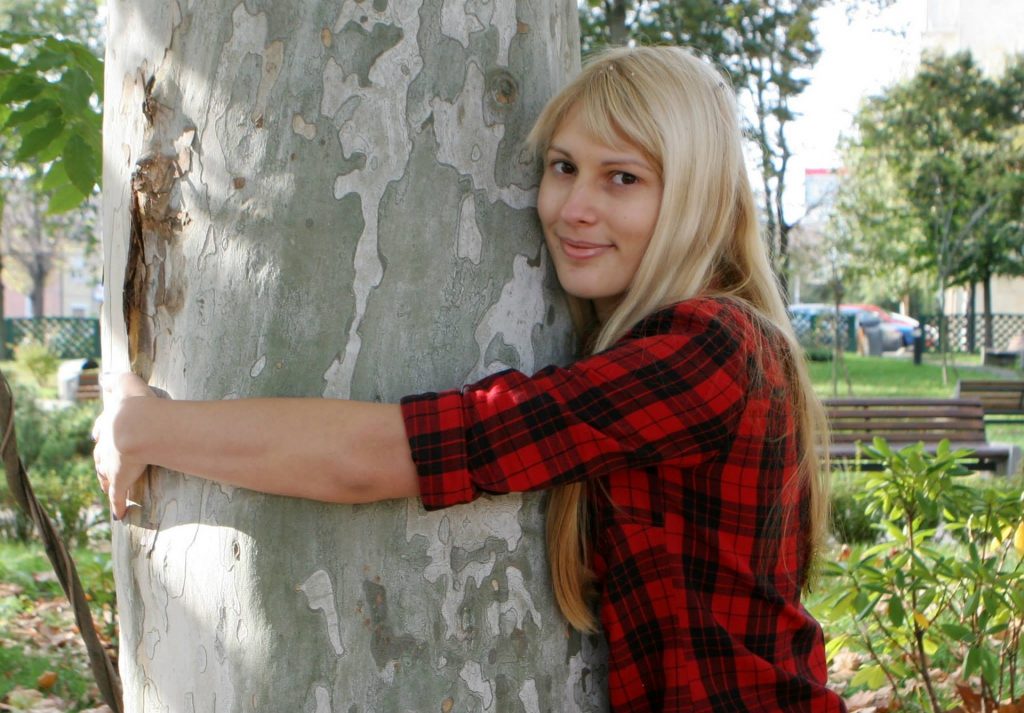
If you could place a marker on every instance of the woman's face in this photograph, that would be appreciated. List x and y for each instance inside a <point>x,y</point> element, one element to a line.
<point>598,205</point>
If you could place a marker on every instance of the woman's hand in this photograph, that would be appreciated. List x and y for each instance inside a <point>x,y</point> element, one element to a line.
<point>116,469</point>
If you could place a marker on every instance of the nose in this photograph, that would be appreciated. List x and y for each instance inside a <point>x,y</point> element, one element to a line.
<point>579,206</point>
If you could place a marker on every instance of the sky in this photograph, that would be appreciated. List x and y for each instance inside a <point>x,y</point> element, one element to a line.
<point>861,55</point>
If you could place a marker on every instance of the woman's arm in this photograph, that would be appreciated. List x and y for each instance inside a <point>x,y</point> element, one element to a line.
<point>322,449</point>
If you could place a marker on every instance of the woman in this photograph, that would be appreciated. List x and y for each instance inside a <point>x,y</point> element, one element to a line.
<point>686,500</point>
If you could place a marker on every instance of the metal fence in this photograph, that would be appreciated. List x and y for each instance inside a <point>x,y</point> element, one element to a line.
<point>68,337</point>
<point>816,332</point>
<point>967,335</point>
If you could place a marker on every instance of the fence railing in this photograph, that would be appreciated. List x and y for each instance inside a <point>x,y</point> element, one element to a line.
<point>817,331</point>
<point>67,337</point>
<point>967,335</point>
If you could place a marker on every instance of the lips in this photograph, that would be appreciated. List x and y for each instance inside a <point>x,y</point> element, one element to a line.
<point>582,250</point>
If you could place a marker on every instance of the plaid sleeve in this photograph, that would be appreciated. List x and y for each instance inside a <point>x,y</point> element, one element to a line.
<point>670,395</point>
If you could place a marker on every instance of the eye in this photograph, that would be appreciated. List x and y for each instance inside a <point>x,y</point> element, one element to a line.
<point>624,179</point>
<point>560,165</point>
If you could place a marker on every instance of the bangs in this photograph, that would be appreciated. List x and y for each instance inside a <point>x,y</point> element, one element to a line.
<point>612,107</point>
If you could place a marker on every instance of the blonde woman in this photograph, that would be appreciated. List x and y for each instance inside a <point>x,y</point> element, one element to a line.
<point>686,501</point>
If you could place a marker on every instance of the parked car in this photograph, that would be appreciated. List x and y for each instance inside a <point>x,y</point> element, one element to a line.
<point>812,322</point>
<point>891,322</point>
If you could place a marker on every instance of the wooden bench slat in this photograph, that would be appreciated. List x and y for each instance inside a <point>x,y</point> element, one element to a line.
<point>998,397</point>
<point>902,422</point>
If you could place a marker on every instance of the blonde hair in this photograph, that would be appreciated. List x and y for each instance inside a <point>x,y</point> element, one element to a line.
<point>681,113</point>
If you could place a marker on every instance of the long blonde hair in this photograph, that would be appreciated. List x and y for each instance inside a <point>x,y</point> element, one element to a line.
<point>682,114</point>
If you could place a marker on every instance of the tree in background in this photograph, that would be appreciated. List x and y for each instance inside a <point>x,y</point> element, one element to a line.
<point>936,175</point>
<point>768,47</point>
<point>51,81</point>
<point>34,238</point>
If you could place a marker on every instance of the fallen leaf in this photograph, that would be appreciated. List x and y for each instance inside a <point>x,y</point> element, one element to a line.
<point>46,680</point>
<point>973,702</point>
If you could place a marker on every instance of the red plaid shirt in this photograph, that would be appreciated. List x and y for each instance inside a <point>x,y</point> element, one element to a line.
<point>698,545</point>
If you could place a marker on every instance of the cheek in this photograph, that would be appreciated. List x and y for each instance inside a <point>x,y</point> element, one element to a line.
<point>547,202</point>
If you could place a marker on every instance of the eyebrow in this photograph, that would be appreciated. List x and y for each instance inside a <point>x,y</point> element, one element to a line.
<point>614,161</point>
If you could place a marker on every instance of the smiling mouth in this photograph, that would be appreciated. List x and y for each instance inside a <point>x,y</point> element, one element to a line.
<point>580,250</point>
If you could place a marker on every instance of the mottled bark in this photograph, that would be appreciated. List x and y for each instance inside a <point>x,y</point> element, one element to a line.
<point>332,199</point>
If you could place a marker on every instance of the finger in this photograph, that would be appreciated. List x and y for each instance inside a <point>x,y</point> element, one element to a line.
<point>117,502</point>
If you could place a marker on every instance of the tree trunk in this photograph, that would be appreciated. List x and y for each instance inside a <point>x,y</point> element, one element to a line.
<point>972,340</point>
<point>987,307</point>
<point>618,32</point>
<point>324,199</point>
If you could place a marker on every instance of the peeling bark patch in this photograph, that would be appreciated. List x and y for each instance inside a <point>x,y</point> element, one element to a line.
<point>326,37</point>
<point>155,222</point>
<point>303,128</point>
<point>358,50</point>
<point>319,593</point>
<point>385,646</point>
<point>472,674</point>
<point>238,183</point>
<point>136,321</point>
<point>323,700</point>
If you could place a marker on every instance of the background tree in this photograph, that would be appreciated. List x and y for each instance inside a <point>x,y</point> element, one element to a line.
<point>34,239</point>
<point>324,199</point>
<point>50,84</point>
<point>943,151</point>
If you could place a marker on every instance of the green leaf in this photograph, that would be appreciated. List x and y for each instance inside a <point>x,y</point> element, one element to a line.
<point>65,198</point>
<point>835,645</point>
<point>22,87</point>
<point>990,667</point>
<point>897,615</point>
<point>972,663</point>
<point>77,87</point>
<point>871,676</point>
<point>32,110</point>
<point>55,177</point>
<point>957,632</point>
<point>39,139</point>
<point>80,164</point>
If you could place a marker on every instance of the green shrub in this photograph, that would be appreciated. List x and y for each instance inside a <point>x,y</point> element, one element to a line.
<point>56,449</point>
<point>945,588</point>
<point>851,523</point>
<point>37,359</point>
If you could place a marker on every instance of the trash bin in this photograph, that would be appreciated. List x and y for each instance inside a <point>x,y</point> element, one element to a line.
<point>872,328</point>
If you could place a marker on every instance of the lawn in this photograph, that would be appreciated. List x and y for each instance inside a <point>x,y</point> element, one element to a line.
<point>43,664</point>
<point>899,376</point>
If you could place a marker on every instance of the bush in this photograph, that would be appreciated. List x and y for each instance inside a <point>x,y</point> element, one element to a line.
<point>851,523</point>
<point>37,359</point>
<point>56,449</point>
<point>946,588</point>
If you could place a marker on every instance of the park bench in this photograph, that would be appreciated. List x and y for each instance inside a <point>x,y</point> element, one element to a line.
<point>999,398</point>
<point>904,421</point>
<point>88,385</point>
<point>1011,358</point>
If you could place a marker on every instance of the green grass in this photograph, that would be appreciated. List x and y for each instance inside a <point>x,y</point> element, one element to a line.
<point>899,376</point>
<point>26,605</point>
